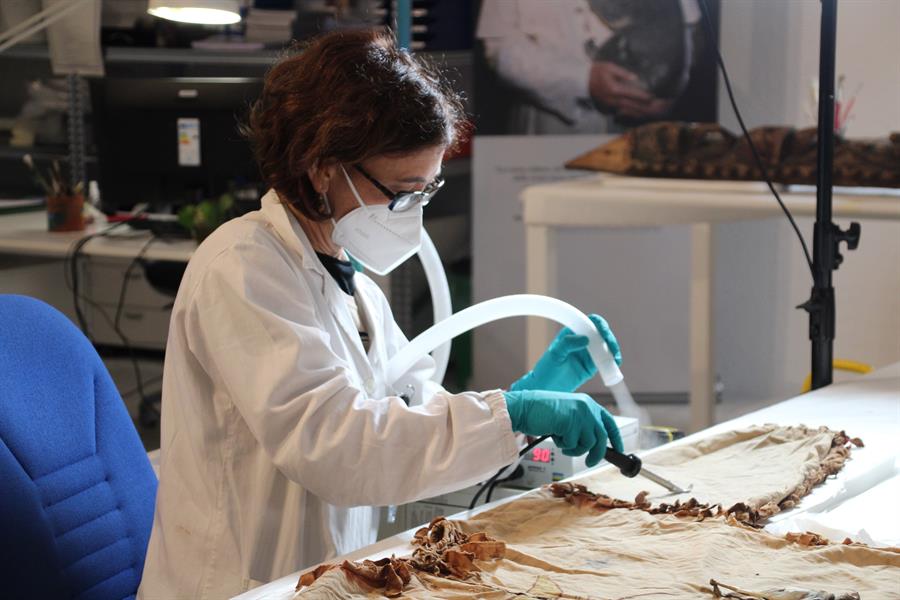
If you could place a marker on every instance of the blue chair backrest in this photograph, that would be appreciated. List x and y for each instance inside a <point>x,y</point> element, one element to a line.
<point>76,488</point>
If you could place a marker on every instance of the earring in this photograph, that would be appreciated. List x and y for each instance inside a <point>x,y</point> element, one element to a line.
<point>324,206</point>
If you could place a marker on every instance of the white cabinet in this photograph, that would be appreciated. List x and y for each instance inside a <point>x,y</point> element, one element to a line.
<point>145,312</point>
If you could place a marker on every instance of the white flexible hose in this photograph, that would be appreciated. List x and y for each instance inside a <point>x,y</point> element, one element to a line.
<point>516,306</point>
<point>440,300</point>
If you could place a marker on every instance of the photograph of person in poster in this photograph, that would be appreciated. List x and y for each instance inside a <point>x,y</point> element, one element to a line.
<point>591,66</point>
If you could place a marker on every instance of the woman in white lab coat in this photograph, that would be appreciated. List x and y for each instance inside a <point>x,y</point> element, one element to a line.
<point>279,433</point>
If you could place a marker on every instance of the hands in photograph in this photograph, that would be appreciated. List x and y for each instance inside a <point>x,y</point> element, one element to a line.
<point>619,91</point>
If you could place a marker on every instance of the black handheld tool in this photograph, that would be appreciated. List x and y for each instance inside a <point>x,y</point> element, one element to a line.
<point>629,464</point>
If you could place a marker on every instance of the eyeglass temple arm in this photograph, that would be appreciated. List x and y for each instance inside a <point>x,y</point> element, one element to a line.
<point>381,188</point>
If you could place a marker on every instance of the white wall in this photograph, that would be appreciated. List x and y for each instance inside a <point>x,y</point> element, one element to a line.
<point>771,50</point>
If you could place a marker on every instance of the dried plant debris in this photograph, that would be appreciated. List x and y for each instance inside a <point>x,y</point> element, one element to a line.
<point>579,496</point>
<point>442,548</point>
<point>308,579</point>
<point>688,508</point>
<point>743,512</point>
<point>388,574</point>
<point>807,538</point>
<point>721,590</point>
<point>830,464</point>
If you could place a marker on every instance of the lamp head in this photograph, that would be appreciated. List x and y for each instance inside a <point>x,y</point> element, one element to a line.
<point>203,12</point>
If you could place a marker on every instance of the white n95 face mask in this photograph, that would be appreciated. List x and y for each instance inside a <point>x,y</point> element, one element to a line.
<point>377,237</point>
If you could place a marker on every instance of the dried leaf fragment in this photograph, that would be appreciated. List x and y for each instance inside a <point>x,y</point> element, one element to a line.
<point>807,538</point>
<point>459,564</point>
<point>689,508</point>
<point>641,501</point>
<point>486,550</point>
<point>390,574</point>
<point>308,578</point>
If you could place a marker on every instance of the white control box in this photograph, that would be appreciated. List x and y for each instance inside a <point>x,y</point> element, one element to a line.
<point>546,463</point>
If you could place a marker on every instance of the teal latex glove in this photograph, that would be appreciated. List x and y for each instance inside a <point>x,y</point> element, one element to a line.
<point>566,364</point>
<point>577,423</point>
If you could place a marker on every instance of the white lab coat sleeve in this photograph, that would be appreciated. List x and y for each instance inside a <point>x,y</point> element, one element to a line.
<point>253,327</point>
<point>553,79</point>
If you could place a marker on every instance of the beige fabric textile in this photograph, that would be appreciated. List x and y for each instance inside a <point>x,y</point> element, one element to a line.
<point>555,550</point>
<point>759,466</point>
<point>558,549</point>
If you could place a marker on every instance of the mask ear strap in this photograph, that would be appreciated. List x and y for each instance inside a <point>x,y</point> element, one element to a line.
<point>353,189</point>
<point>327,204</point>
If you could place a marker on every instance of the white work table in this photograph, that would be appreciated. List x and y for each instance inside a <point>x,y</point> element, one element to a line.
<point>32,263</point>
<point>622,202</point>
<point>868,407</point>
<point>25,234</point>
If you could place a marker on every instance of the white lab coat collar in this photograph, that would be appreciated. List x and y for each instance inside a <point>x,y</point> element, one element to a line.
<point>295,238</point>
<point>290,231</point>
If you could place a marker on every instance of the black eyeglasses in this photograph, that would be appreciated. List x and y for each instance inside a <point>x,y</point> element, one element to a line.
<point>402,201</point>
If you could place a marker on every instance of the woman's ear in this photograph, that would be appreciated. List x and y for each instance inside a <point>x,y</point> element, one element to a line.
<point>322,176</point>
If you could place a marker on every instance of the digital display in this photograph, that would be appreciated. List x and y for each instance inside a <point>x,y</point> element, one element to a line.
<point>541,455</point>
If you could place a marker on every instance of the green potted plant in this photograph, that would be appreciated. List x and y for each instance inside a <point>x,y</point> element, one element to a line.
<point>203,218</point>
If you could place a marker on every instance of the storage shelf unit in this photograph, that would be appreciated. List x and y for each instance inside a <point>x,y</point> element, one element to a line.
<point>262,58</point>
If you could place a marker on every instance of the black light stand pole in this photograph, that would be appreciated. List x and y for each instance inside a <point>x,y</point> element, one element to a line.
<point>826,235</point>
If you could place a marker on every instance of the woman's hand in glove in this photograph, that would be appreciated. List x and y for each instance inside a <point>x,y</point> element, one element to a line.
<point>577,423</point>
<point>566,364</point>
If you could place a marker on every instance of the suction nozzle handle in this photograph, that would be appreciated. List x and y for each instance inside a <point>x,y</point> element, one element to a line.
<point>629,464</point>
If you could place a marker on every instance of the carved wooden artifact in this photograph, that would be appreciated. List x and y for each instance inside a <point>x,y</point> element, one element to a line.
<point>707,151</point>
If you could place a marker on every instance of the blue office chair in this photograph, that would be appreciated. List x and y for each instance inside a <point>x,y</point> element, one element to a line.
<point>76,489</point>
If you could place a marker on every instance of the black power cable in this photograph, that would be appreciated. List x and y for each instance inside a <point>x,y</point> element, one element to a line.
<point>714,42</point>
<point>72,278</point>
<point>517,472</point>
<point>493,480</point>
<point>134,390</point>
<point>490,490</point>
<point>120,306</point>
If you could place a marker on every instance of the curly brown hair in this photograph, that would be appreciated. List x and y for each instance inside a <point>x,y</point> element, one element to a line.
<point>346,96</point>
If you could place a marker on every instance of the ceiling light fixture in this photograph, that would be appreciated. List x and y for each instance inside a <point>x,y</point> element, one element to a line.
<point>203,12</point>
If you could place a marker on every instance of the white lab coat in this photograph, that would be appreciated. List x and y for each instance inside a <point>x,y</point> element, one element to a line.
<point>539,47</point>
<point>279,436</point>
